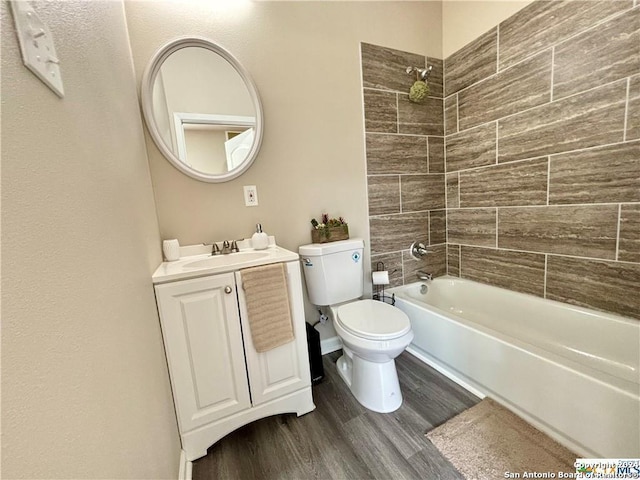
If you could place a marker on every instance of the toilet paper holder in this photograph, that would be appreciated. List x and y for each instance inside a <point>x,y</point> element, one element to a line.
<point>378,290</point>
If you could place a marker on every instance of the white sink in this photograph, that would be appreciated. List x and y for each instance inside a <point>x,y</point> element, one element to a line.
<point>224,260</point>
<point>199,263</point>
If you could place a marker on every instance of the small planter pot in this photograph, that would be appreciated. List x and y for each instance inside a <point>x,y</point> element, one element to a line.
<point>330,234</point>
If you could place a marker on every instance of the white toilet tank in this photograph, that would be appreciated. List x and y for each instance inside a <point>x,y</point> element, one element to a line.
<point>333,271</point>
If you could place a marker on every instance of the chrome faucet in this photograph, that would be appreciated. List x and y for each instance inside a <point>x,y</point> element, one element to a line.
<point>225,247</point>
<point>422,275</point>
<point>418,250</point>
<point>234,247</point>
<point>214,248</point>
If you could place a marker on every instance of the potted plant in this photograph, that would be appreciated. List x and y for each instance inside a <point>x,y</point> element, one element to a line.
<point>329,229</point>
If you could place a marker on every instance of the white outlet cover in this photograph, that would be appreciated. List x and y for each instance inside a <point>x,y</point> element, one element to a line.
<point>250,196</point>
<point>36,45</point>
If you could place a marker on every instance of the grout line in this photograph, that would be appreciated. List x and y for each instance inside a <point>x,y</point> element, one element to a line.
<point>428,157</point>
<point>457,113</point>
<point>446,193</point>
<point>602,21</point>
<point>553,59</point>
<point>496,143</point>
<point>459,189</point>
<point>548,177</point>
<point>602,85</point>
<point>400,192</point>
<point>542,205</point>
<point>498,49</point>
<point>397,113</point>
<point>444,154</point>
<point>544,289</point>
<point>446,227</point>
<point>446,254</point>
<point>546,253</point>
<point>397,92</point>
<point>396,214</point>
<point>459,261</point>
<point>626,111</point>
<point>585,149</point>
<point>429,227</point>
<point>393,174</point>
<point>497,228</point>
<point>403,134</point>
<point>471,128</point>
<point>499,72</point>
<point>618,231</point>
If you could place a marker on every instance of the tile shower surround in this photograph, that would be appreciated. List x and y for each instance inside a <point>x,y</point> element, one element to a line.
<point>542,154</point>
<point>405,163</point>
<point>537,186</point>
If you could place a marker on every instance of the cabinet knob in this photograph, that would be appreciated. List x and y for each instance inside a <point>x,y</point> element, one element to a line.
<point>228,289</point>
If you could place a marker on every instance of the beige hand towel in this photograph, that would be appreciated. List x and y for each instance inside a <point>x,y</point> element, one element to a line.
<point>267,299</point>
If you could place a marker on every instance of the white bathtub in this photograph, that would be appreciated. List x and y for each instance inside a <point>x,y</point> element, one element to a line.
<point>572,372</point>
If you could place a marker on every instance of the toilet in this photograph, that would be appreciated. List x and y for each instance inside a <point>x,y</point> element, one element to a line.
<point>373,333</point>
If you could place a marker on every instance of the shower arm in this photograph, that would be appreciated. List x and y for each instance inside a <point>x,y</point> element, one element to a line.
<point>421,73</point>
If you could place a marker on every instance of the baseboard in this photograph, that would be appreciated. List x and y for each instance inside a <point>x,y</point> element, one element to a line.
<point>186,466</point>
<point>429,360</point>
<point>329,345</point>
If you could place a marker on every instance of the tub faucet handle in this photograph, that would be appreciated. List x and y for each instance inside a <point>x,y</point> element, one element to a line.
<point>418,250</point>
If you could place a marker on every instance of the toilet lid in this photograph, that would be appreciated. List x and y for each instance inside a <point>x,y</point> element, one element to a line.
<point>374,320</point>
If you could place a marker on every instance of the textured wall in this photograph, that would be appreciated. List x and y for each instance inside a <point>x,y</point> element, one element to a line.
<point>405,162</point>
<point>542,123</point>
<point>85,389</point>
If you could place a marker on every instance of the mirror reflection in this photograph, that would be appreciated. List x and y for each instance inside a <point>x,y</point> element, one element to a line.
<point>203,111</point>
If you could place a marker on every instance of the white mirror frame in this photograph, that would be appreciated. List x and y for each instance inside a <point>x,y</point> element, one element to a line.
<point>148,79</point>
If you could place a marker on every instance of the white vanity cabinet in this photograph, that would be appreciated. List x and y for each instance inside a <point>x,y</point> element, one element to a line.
<point>218,379</point>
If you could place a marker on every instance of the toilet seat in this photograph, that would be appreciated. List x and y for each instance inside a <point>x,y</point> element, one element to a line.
<point>373,320</point>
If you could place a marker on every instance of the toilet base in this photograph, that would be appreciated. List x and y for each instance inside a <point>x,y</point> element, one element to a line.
<point>374,385</point>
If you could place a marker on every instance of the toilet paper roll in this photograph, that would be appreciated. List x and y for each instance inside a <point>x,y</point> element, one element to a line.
<point>380,278</point>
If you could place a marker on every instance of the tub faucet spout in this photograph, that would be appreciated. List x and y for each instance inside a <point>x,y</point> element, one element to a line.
<point>422,275</point>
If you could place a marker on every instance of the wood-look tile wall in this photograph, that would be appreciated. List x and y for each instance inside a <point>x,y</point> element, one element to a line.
<point>542,154</point>
<point>405,163</point>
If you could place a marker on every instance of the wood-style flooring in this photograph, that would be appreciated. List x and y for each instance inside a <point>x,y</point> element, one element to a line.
<point>341,439</point>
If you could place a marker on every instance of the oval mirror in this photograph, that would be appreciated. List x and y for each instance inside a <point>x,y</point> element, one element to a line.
<point>202,109</point>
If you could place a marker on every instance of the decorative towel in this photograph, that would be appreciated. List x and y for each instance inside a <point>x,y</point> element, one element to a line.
<point>267,301</point>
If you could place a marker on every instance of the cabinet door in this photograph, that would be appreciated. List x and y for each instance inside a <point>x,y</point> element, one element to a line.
<point>203,343</point>
<point>284,369</point>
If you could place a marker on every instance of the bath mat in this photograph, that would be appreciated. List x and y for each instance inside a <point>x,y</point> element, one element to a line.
<point>488,440</point>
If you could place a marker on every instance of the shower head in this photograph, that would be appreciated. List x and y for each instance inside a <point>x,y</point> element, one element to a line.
<point>421,73</point>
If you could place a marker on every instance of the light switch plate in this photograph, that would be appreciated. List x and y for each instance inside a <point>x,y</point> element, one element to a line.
<point>36,45</point>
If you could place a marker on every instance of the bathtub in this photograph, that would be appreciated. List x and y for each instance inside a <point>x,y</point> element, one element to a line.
<point>571,372</point>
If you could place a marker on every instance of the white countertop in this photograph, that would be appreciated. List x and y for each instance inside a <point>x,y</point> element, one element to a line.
<point>202,264</point>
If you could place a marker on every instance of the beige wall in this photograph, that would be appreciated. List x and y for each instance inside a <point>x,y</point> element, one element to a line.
<point>465,20</point>
<point>85,390</point>
<point>305,60</point>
